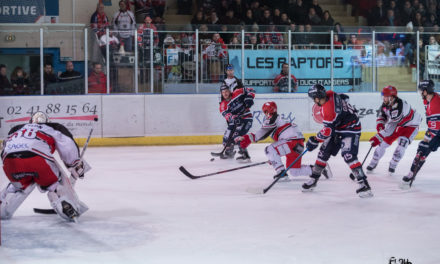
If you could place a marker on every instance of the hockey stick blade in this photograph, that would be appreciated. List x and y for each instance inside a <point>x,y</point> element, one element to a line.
<point>44,211</point>
<point>189,175</point>
<point>255,190</point>
<point>216,154</point>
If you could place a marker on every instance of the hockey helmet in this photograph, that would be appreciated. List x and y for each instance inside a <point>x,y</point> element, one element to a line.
<point>229,67</point>
<point>39,118</point>
<point>269,107</point>
<point>426,85</point>
<point>317,91</point>
<point>389,91</point>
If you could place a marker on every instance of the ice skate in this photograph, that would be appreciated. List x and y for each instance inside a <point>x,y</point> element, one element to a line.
<point>244,157</point>
<point>391,171</point>
<point>310,185</point>
<point>371,167</point>
<point>69,211</point>
<point>407,181</point>
<point>284,178</point>
<point>229,154</point>
<point>327,172</point>
<point>364,189</point>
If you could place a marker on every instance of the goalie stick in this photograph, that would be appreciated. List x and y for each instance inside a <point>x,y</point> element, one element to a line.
<point>72,179</point>
<point>193,177</point>
<point>265,190</point>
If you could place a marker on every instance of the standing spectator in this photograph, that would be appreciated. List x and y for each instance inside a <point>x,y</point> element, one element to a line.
<point>256,10</point>
<point>317,8</point>
<point>390,19</point>
<point>49,75</point>
<point>300,38</point>
<point>159,7</point>
<point>393,6</point>
<point>213,21</point>
<point>20,82</point>
<point>229,19</point>
<point>276,16</point>
<point>99,20</point>
<point>5,85</point>
<point>281,81</point>
<point>239,8</point>
<point>327,19</point>
<point>144,33</point>
<point>143,8</point>
<point>298,12</point>
<point>406,13</point>
<point>97,80</point>
<point>70,73</point>
<point>249,18</point>
<point>215,54</point>
<point>377,14</point>
<point>124,22</point>
<point>340,31</point>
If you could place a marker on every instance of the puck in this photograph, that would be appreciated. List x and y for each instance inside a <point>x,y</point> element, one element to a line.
<point>212,159</point>
<point>95,119</point>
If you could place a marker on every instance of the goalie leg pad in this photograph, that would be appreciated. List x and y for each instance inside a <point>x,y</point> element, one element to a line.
<point>12,197</point>
<point>61,195</point>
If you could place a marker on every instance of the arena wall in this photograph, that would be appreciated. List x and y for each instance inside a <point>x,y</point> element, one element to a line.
<point>171,119</point>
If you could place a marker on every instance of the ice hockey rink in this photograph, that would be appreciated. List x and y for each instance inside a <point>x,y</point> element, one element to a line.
<point>144,210</point>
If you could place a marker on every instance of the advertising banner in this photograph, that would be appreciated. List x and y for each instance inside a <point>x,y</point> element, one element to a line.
<point>308,66</point>
<point>21,11</point>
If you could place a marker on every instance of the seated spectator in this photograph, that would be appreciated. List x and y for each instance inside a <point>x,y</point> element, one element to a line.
<point>281,81</point>
<point>336,43</point>
<point>234,43</point>
<point>204,36</point>
<point>312,17</point>
<point>225,34</point>
<point>198,19</point>
<point>418,20</point>
<point>20,82</point>
<point>272,38</point>
<point>49,75</point>
<point>97,80</point>
<point>299,38</point>
<point>213,21</point>
<point>406,13</point>
<point>390,20</point>
<point>327,19</point>
<point>99,20</point>
<point>354,42</point>
<point>249,18</point>
<point>276,18</point>
<point>124,23</point>
<point>70,73</point>
<point>112,41</point>
<point>143,8</point>
<point>266,19</point>
<point>256,11</point>
<point>253,40</point>
<point>229,19</point>
<point>5,85</point>
<point>431,21</point>
<point>285,20</point>
<point>239,8</point>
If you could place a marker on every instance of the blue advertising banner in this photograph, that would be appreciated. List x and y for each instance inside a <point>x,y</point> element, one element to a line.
<point>21,11</point>
<point>308,66</point>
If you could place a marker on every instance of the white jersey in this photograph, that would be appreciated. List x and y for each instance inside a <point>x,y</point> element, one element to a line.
<point>124,23</point>
<point>42,140</point>
<point>278,128</point>
<point>233,83</point>
<point>399,114</point>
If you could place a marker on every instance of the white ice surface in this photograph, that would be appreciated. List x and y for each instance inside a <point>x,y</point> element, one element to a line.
<point>143,210</point>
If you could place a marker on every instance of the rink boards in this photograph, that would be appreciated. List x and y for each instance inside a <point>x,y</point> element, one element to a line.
<point>174,119</point>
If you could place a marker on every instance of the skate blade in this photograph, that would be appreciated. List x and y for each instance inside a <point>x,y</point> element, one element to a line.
<point>405,185</point>
<point>366,194</point>
<point>244,161</point>
<point>308,190</point>
<point>255,190</point>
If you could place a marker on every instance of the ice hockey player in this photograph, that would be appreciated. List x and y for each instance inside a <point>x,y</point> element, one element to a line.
<point>28,162</point>
<point>288,141</point>
<point>341,130</point>
<point>235,108</point>
<point>431,141</point>
<point>231,81</point>
<point>396,120</point>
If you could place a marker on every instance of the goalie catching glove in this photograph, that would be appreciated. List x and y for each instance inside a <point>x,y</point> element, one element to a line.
<point>77,169</point>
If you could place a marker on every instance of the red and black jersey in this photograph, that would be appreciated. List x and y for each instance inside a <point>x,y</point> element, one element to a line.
<point>338,116</point>
<point>239,105</point>
<point>433,115</point>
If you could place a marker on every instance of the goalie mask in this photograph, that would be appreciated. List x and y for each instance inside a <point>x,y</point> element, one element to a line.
<point>39,118</point>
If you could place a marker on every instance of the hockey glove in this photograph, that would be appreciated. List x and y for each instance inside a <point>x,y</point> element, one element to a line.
<point>237,121</point>
<point>77,170</point>
<point>245,141</point>
<point>380,126</point>
<point>434,143</point>
<point>312,143</point>
<point>376,140</point>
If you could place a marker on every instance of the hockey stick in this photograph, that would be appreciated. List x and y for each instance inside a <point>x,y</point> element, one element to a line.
<point>228,142</point>
<point>368,153</point>
<point>265,190</point>
<point>193,177</point>
<point>72,179</point>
